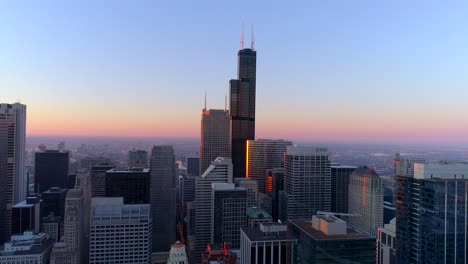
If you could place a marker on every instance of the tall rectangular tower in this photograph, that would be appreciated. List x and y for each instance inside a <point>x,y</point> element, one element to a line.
<point>13,180</point>
<point>242,108</point>
<point>163,197</point>
<point>214,141</point>
<point>51,169</point>
<point>307,183</point>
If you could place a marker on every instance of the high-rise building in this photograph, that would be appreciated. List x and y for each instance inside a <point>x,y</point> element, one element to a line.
<point>131,184</point>
<point>307,183</point>
<point>328,239</point>
<point>386,237</point>
<point>366,200</point>
<point>27,248</point>
<point>228,213</point>
<point>220,171</point>
<point>13,179</point>
<point>26,216</point>
<point>187,192</point>
<point>242,108</point>
<point>98,179</point>
<point>274,184</point>
<point>339,187</point>
<point>83,182</point>
<point>51,169</point>
<point>177,255</point>
<point>163,197</point>
<point>89,162</point>
<point>214,141</point>
<point>263,154</point>
<point>431,212</point>
<point>193,166</point>
<point>252,190</point>
<point>52,225</point>
<point>53,201</point>
<point>267,243</point>
<point>121,234</point>
<point>71,250</point>
<point>138,159</point>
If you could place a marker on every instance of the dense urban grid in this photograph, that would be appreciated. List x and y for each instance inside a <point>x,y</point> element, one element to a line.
<point>231,199</point>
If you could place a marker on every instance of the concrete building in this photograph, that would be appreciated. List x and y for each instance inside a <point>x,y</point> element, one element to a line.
<point>220,171</point>
<point>366,200</point>
<point>193,166</point>
<point>431,212</point>
<point>13,177</point>
<point>227,213</point>
<point>53,226</point>
<point>177,255</point>
<point>138,159</point>
<point>98,179</point>
<point>27,248</point>
<point>121,234</point>
<point>51,169</point>
<point>214,140</point>
<point>263,154</point>
<point>386,246</point>
<point>133,184</point>
<point>328,239</point>
<point>26,216</point>
<point>307,183</point>
<point>163,197</point>
<point>267,243</point>
<point>340,175</point>
<point>252,190</point>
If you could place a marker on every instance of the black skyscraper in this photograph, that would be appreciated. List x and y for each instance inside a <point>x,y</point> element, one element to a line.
<point>131,184</point>
<point>242,108</point>
<point>51,170</point>
<point>53,201</point>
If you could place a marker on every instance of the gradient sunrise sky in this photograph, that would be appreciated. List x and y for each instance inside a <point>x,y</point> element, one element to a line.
<point>326,70</point>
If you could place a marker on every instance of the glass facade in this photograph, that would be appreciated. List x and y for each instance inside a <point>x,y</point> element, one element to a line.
<point>51,170</point>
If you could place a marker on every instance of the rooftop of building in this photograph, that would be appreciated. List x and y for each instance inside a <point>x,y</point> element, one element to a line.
<point>139,212</point>
<point>365,171</point>
<point>306,151</point>
<point>128,170</point>
<point>55,190</point>
<point>27,244</point>
<point>441,170</point>
<point>257,213</point>
<point>217,162</point>
<point>340,166</point>
<point>351,233</point>
<point>257,234</point>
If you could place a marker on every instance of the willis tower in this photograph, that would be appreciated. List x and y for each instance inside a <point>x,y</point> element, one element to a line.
<point>242,106</point>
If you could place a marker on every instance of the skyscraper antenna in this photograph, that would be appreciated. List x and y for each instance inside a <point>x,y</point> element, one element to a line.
<point>205,101</point>
<point>225,102</point>
<point>242,36</point>
<point>252,46</point>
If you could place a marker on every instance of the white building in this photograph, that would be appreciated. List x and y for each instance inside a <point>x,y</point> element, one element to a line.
<point>177,255</point>
<point>220,171</point>
<point>386,243</point>
<point>121,234</point>
<point>365,199</point>
<point>13,178</point>
<point>27,248</point>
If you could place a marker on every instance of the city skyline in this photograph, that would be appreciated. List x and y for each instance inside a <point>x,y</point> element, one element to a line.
<point>370,71</point>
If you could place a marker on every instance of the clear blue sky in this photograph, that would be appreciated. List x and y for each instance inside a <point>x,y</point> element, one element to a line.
<point>383,70</point>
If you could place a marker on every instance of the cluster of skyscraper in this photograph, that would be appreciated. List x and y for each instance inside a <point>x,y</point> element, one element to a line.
<point>243,199</point>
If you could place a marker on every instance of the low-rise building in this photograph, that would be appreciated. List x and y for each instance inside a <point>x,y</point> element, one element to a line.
<point>27,248</point>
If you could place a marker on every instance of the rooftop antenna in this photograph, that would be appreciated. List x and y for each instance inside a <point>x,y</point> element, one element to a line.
<point>242,37</point>
<point>205,101</point>
<point>225,102</point>
<point>252,45</point>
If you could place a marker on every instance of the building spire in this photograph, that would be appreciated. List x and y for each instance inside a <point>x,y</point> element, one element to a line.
<point>205,101</point>
<point>252,45</point>
<point>225,102</point>
<point>242,37</point>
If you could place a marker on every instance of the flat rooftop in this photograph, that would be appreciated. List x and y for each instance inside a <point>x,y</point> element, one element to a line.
<point>128,170</point>
<point>306,226</point>
<point>255,235</point>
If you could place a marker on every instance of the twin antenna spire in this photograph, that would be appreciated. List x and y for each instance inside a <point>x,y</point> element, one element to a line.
<point>252,43</point>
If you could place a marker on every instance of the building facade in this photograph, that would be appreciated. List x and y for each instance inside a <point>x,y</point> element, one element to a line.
<point>366,200</point>
<point>307,183</point>
<point>13,179</point>
<point>386,246</point>
<point>138,159</point>
<point>214,141</point>
<point>27,248</point>
<point>339,187</point>
<point>264,154</point>
<point>121,234</point>
<point>193,166</point>
<point>133,184</point>
<point>51,169</point>
<point>98,179</point>
<point>163,197</point>
<point>26,216</point>
<point>242,108</point>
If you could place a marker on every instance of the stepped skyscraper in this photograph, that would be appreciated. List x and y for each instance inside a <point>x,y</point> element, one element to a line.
<point>242,106</point>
